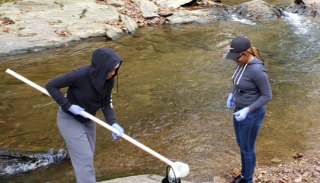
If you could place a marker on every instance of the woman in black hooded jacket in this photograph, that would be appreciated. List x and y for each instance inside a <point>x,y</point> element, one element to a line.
<point>89,89</point>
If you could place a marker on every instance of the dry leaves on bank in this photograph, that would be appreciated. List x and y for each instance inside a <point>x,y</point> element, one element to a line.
<point>301,169</point>
<point>63,33</point>
<point>133,11</point>
<point>5,21</point>
<point>6,30</point>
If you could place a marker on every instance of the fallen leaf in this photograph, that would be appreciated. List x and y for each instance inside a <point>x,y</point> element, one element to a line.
<point>41,138</point>
<point>20,145</point>
<point>298,155</point>
<point>2,122</point>
<point>18,18</point>
<point>285,178</point>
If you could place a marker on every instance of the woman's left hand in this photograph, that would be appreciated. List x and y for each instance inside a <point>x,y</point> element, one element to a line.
<point>241,114</point>
<point>119,128</point>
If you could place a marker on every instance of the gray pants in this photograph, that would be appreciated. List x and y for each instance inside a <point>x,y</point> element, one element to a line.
<point>80,139</point>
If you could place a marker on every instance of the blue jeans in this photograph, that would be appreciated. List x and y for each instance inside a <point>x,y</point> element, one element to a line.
<point>246,134</point>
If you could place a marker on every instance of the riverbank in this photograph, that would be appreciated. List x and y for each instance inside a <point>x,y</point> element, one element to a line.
<point>34,25</point>
<point>300,169</point>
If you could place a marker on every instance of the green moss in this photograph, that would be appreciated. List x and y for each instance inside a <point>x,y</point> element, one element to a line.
<point>21,28</point>
<point>28,35</point>
<point>61,5</point>
<point>83,14</point>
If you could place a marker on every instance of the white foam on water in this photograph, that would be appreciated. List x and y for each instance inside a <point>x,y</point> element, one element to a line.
<point>301,24</point>
<point>18,165</point>
<point>244,21</point>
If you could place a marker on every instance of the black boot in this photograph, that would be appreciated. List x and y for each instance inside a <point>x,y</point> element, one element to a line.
<point>236,179</point>
<point>241,180</point>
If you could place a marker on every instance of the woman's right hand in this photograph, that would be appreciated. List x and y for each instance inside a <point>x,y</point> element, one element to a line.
<point>230,102</point>
<point>75,109</point>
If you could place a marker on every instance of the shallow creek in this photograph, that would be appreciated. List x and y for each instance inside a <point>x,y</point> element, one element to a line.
<point>172,91</point>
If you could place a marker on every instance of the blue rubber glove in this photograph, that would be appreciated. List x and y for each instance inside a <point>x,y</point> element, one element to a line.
<point>230,102</point>
<point>119,128</point>
<point>242,114</point>
<point>75,109</point>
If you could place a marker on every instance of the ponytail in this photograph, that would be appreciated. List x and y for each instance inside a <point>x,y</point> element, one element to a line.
<point>253,51</point>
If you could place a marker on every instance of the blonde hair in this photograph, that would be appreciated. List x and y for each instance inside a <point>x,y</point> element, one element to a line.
<point>253,51</point>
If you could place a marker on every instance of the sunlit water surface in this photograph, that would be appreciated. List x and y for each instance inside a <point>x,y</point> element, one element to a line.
<point>172,91</point>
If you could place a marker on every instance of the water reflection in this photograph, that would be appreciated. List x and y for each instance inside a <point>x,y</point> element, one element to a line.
<point>173,87</point>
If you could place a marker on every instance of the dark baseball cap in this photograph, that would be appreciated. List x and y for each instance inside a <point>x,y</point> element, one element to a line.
<point>238,45</point>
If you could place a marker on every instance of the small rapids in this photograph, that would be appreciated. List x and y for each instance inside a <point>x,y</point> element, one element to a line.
<point>14,163</point>
<point>300,24</point>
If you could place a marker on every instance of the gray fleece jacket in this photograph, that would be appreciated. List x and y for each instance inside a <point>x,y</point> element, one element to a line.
<point>251,85</point>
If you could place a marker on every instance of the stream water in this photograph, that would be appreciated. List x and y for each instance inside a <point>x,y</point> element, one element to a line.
<point>172,91</point>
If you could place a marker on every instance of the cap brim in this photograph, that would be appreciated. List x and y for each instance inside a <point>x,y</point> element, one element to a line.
<point>233,56</point>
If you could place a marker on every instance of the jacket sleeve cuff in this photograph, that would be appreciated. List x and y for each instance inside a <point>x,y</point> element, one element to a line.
<point>66,106</point>
<point>111,122</point>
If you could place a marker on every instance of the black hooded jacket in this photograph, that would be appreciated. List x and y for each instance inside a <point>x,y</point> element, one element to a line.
<point>87,86</point>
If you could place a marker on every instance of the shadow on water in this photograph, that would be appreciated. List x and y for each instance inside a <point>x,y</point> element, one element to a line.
<point>173,87</point>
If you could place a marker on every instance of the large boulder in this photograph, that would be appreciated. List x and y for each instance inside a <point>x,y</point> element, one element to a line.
<point>113,33</point>
<point>172,3</point>
<point>130,24</point>
<point>308,2</point>
<point>39,25</point>
<point>116,3</point>
<point>310,8</point>
<point>253,10</point>
<point>149,9</point>
<point>198,16</point>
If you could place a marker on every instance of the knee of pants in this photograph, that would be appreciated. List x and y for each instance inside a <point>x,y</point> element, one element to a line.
<point>247,153</point>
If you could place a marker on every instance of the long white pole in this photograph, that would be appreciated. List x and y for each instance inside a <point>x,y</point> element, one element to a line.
<point>102,123</point>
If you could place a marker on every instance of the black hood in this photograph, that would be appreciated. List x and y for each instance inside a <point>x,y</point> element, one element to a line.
<point>102,62</point>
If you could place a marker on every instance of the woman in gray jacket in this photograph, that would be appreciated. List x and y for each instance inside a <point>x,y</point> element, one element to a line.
<point>250,93</point>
